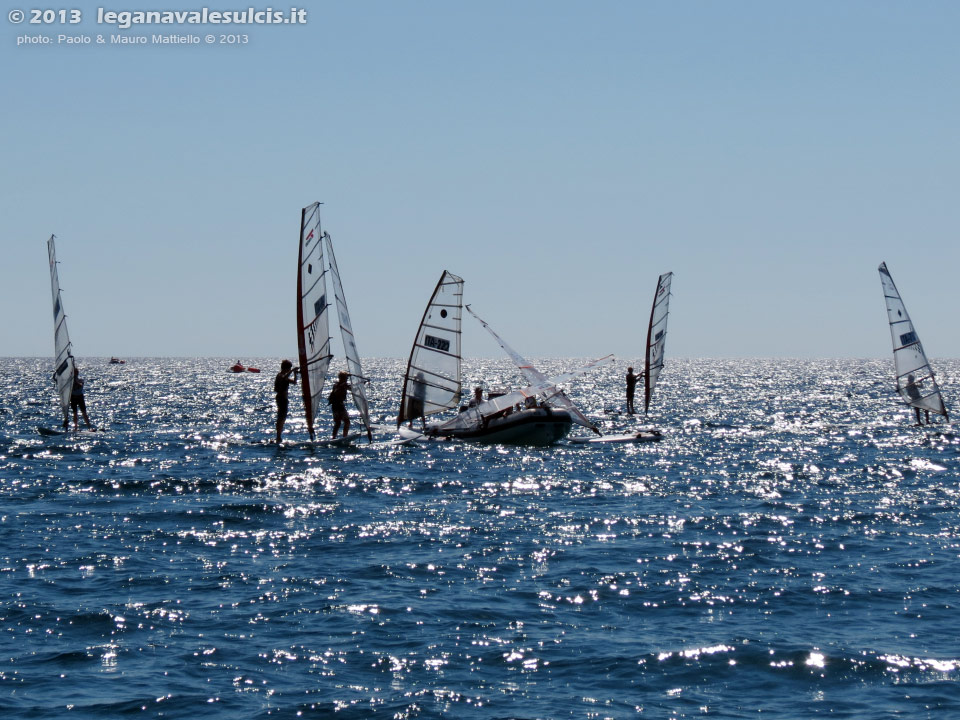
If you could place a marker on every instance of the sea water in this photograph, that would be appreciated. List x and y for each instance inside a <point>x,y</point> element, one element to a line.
<point>789,549</point>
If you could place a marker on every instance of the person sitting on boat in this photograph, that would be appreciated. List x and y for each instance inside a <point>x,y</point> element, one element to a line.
<point>477,397</point>
<point>77,401</point>
<point>281,385</point>
<point>338,403</point>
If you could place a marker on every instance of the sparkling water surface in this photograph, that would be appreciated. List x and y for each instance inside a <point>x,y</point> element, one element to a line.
<point>790,549</point>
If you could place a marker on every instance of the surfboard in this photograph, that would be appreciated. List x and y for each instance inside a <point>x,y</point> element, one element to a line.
<point>51,432</point>
<point>340,441</point>
<point>637,437</point>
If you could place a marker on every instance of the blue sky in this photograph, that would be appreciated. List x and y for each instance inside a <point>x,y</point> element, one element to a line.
<point>558,156</point>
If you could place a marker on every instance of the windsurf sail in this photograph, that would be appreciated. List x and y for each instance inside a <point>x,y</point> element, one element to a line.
<point>656,337</point>
<point>63,362</point>
<point>357,379</point>
<point>313,329</point>
<point>554,395</point>
<point>473,415</point>
<point>914,377</point>
<point>432,382</point>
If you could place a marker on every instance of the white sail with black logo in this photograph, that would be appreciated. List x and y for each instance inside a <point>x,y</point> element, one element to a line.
<point>554,395</point>
<point>656,337</point>
<point>357,379</point>
<point>63,363</point>
<point>313,330</point>
<point>914,377</point>
<point>432,381</point>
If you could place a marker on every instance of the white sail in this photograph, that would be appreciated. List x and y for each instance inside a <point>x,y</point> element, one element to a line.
<point>313,330</point>
<point>473,415</point>
<point>357,379</point>
<point>555,396</point>
<point>63,363</point>
<point>915,379</point>
<point>656,337</point>
<point>432,381</point>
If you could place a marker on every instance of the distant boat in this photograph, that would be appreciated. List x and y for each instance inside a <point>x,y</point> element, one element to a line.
<point>313,326</point>
<point>117,361</point>
<point>656,337</point>
<point>239,368</point>
<point>432,384</point>
<point>915,379</point>
<point>65,367</point>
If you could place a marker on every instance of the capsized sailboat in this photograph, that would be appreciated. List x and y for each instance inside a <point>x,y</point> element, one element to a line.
<point>915,379</point>
<point>313,322</point>
<point>554,396</point>
<point>432,384</point>
<point>65,368</point>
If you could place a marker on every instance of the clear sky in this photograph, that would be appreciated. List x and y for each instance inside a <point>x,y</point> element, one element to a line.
<point>557,155</point>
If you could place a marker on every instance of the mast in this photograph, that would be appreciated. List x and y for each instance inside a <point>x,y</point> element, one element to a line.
<point>656,337</point>
<point>915,379</point>
<point>313,331</point>
<point>63,362</point>
<point>349,342</point>
<point>432,381</point>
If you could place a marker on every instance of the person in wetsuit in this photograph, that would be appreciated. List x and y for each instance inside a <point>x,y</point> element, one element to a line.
<point>281,385</point>
<point>631,388</point>
<point>338,403</point>
<point>77,401</point>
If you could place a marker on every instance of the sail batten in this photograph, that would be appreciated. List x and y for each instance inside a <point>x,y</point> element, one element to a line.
<point>915,380</point>
<point>656,337</point>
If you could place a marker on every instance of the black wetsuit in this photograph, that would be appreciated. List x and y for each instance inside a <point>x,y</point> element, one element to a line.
<point>280,386</point>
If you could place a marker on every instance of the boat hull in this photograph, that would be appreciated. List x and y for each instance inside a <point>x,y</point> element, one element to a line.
<point>539,426</point>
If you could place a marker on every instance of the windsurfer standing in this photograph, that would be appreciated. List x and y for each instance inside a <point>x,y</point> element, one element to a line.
<point>77,401</point>
<point>338,403</point>
<point>281,385</point>
<point>631,388</point>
